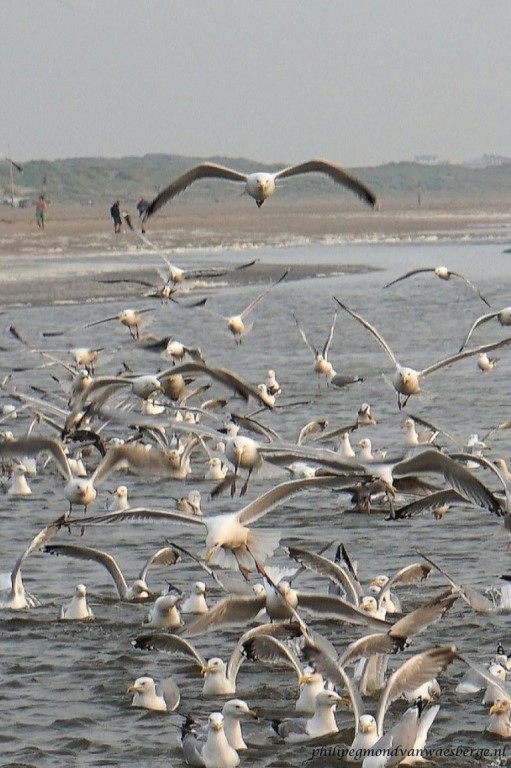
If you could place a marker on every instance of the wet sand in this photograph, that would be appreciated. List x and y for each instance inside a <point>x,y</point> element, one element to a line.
<point>79,244</point>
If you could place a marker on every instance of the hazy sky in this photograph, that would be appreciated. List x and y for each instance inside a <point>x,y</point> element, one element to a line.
<point>359,82</point>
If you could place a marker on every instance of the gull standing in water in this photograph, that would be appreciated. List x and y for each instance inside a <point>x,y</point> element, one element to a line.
<point>444,274</point>
<point>260,185</point>
<point>406,381</point>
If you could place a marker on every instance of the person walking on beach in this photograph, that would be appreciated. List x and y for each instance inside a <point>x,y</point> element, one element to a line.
<point>142,207</point>
<point>115,213</point>
<point>40,212</point>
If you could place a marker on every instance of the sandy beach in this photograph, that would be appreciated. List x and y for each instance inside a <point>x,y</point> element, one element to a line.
<point>79,241</point>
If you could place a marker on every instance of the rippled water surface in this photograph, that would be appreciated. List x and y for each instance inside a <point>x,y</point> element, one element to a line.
<point>63,693</point>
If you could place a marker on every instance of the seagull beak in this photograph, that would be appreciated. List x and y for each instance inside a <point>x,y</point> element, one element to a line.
<point>205,669</point>
<point>132,689</point>
<point>253,714</point>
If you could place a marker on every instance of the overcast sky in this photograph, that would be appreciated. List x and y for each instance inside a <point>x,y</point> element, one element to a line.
<point>358,82</point>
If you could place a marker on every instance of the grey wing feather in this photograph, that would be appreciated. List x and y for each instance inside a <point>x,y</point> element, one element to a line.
<point>97,556</point>
<point>167,643</point>
<point>229,611</point>
<point>366,646</point>
<point>336,173</point>
<point>164,556</point>
<point>427,613</point>
<point>479,321</point>
<point>326,567</point>
<point>414,672</point>
<point>409,274</point>
<point>203,171</point>
<point>337,608</point>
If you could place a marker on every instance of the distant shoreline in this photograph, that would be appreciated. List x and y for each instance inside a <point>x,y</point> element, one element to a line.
<point>79,241</point>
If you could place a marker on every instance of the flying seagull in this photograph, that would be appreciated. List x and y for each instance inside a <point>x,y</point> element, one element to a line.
<point>260,185</point>
<point>444,274</point>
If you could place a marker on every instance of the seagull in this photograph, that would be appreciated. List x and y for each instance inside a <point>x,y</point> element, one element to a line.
<point>499,724</point>
<point>119,499</point>
<point>502,315</point>
<point>321,364</point>
<point>12,592</point>
<point>271,650</point>
<point>406,381</point>
<point>219,677</point>
<point>130,318</point>
<point>158,697</point>
<point>322,723</point>
<point>485,363</point>
<point>164,613</point>
<point>444,274</point>
<point>77,609</point>
<point>139,589</point>
<point>195,603</point>
<point>235,323</point>
<point>215,752</point>
<point>260,185</point>
<point>82,490</point>
<point>229,540</point>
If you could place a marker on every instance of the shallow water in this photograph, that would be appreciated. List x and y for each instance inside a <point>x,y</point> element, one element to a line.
<point>63,694</point>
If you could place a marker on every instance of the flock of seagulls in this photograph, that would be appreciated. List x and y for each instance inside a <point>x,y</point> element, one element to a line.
<point>178,428</point>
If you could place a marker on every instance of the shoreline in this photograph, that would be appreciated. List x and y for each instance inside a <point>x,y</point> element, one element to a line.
<point>78,243</point>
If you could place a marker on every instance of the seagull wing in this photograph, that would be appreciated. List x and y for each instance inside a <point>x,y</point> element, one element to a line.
<point>263,504</point>
<point>463,355</point>
<point>479,321</point>
<point>410,574</point>
<point>414,672</point>
<point>432,501</point>
<point>144,513</point>
<point>168,643</point>
<point>223,375</point>
<point>37,543</point>
<point>31,446</point>
<point>457,476</point>
<point>335,172</point>
<point>164,556</point>
<point>333,671</point>
<point>203,171</point>
<point>97,556</point>
<point>476,601</point>
<point>337,608</point>
<point>310,346</point>
<point>471,285</point>
<point>381,341</point>
<point>229,611</point>
<point>380,642</point>
<point>271,650</point>
<point>277,630</point>
<point>256,301</point>
<point>409,274</point>
<point>330,336</point>
<point>326,567</point>
<point>427,613</point>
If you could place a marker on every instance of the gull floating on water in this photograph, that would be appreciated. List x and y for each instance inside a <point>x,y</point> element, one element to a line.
<point>260,185</point>
<point>444,274</point>
<point>77,609</point>
<point>158,697</point>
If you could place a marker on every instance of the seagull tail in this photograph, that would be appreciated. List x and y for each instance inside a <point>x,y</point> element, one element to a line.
<point>262,543</point>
